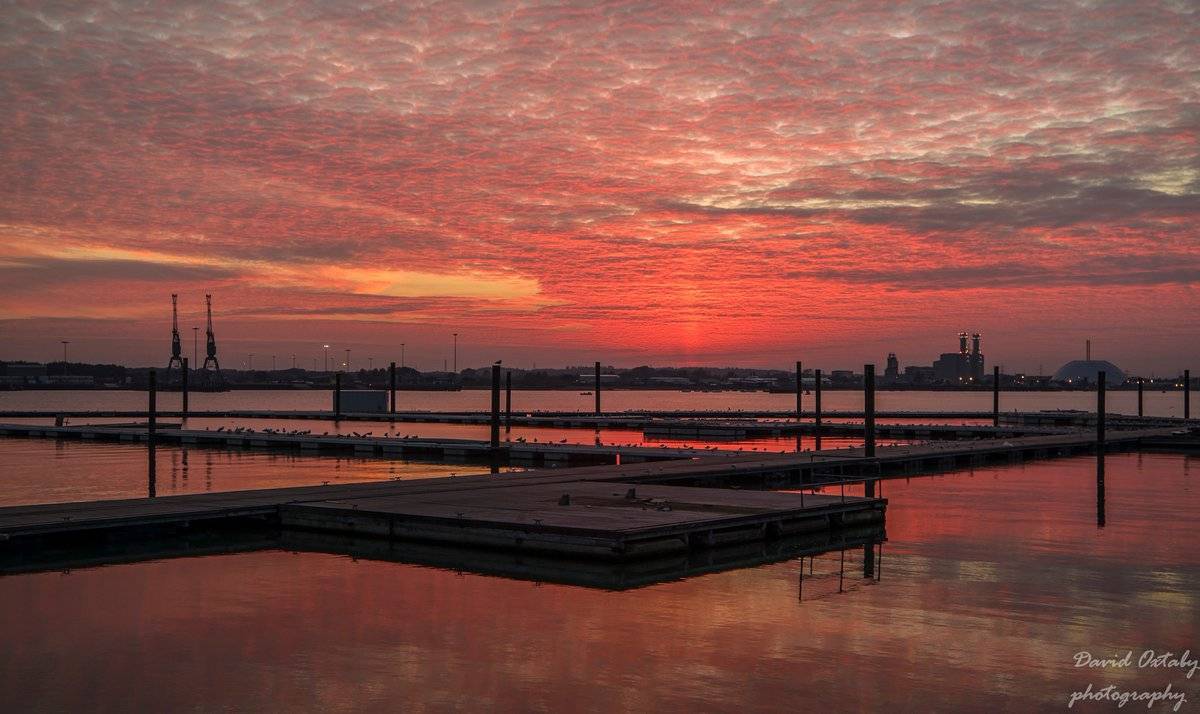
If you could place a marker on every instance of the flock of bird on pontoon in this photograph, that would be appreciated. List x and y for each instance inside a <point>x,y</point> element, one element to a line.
<point>245,430</point>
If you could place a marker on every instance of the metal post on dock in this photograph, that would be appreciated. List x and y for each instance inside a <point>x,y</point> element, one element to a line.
<point>392,384</point>
<point>869,422</point>
<point>508,401</point>
<point>996,395</point>
<point>799,390</point>
<point>1140,386</point>
<point>337,395</point>
<point>597,389</point>
<point>184,386</point>
<point>495,406</point>
<point>152,404</point>
<point>152,470</point>
<point>1187,394</point>
<point>817,408</point>
<point>1101,387</point>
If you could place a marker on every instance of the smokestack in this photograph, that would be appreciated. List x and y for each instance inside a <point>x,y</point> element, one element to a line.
<point>1089,350</point>
<point>962,343</point>
<point>975,343</point>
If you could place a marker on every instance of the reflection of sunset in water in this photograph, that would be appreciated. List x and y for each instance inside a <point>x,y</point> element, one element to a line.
<point>989,583</point>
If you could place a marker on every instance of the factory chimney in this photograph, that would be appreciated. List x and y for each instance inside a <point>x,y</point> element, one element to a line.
<point>962,343</point>
<point>975,343</point>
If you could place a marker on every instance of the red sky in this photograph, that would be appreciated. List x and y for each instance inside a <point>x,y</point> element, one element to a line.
<point>631,182</point>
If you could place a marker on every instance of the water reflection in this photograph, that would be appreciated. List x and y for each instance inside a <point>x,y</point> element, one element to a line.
<point>244,536</point>
<point>995,579</point>
<point>36,471</point>
<point>1100,489</point>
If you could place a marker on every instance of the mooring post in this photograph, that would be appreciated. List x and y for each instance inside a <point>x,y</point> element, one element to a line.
<point>495,407</point>
<point>996,395</point>
<point>1140,381</point>
<point>152,404</point>
<point>337,395</point>
<point>152,470</point>
<point>817,407</point>
<point>392,384</point>
<point>869,422</point>
<point>184,385</point>
<point>1101,378</point>
<point>508,401</point>
<point>799,390</point>
<point>597,389</point>
<point>1187,394</point>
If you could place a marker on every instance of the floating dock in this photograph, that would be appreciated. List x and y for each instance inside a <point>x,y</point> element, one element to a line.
<point>520,453</point>
<point>581,513</point>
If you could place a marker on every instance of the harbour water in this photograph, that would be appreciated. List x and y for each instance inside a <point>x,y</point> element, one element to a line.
<point>1157,403</point>
<point>990,582</point>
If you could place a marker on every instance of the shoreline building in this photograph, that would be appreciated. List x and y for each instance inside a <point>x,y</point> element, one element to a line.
<point>966,365</point>
<point>1084,371</point>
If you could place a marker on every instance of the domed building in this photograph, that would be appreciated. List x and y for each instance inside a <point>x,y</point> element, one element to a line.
<point>1085,371</point>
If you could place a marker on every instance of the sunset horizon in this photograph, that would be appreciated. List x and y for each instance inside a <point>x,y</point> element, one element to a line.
<point>749,186</point>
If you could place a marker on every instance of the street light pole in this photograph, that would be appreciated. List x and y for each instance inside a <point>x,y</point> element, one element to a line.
<point>456,353</point>
<point>326,358</point>
<point>347,359</point>
<point>64,344</point>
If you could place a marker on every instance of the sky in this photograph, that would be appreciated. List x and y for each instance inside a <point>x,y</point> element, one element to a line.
<point>631,182</point>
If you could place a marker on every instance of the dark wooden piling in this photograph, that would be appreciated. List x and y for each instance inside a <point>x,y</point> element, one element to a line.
<point>508,401</point>
<point>597,389</point>
<point>151,405</point>
<point>996,395</point>
<point>1140,388</point>
<point>392,384</point>
<point>495,406</point>
<point>869,422</point>
<point>337,395</point>
<point>869,408</point>
<point>817,407</point>
<point>799,390</point>
<point>1187,394</point>
<point>152,470</point>
<point>183,384</point>
<point>1101,387</point>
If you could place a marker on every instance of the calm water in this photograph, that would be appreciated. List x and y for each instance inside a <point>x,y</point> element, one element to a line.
<point>50,471</point>
<point>989,584</point>
<point>1124,402</point>
<point>35,470</point>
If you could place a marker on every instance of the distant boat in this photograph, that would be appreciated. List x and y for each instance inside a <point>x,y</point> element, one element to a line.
<point>585,394</point>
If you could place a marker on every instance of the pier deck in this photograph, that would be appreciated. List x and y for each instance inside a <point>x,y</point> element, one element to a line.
<point>571,512</point>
